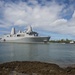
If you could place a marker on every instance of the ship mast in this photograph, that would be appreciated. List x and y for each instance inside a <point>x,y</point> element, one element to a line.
<point>29,29</point>
<point>13,31</point>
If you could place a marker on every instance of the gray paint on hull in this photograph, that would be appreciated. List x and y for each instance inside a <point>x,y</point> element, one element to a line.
<point>30,40</point>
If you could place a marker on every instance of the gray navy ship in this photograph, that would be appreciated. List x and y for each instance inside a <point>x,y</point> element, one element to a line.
<point>28,36</point>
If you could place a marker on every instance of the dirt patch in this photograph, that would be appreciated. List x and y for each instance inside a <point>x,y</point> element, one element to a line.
<point>34,68</point>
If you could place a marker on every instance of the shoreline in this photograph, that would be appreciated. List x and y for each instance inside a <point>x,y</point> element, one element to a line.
<point>34,68</point>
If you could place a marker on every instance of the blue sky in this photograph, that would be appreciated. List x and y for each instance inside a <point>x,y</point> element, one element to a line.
<point>55,18</point>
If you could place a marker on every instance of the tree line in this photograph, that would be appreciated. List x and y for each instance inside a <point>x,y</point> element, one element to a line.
<point>62,41</point>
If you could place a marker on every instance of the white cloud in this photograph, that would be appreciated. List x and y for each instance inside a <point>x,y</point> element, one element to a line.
<point>4,24</point>
<point>34,2</point>
<point>4,31</point>
<point>45,17</point>
<point>20,22</point>
<point>38,15</point>
<point>1,3</point>
<point>59,22</point>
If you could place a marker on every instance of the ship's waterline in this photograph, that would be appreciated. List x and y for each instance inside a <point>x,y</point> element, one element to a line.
<point>29,40</point>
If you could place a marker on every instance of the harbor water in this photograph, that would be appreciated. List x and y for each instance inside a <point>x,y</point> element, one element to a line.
<point>61,54</point>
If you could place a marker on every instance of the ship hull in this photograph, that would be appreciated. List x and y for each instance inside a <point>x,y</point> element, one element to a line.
<point>26,39</point>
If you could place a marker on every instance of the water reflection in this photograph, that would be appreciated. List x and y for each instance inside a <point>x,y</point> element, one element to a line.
<point>55,53</point>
